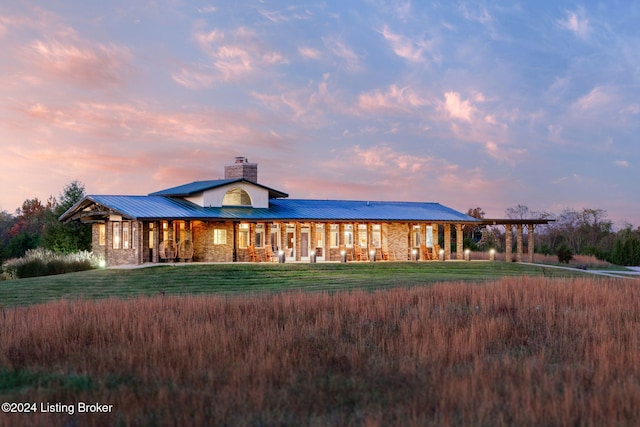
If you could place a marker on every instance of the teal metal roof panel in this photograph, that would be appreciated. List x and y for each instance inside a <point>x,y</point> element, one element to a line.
<point>160,207</point>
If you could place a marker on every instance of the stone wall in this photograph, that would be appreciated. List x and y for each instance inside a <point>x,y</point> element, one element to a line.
<point>203,248</point>
<point>395,238</point>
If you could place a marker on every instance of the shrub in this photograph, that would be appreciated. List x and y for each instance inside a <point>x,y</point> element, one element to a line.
<point>565,254</point>
<point>42,262</point>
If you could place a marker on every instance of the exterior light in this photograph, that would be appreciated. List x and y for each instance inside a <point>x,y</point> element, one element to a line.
<point>414,255</point>
<point>492,254</point>
<point>312,257</point>
<point>102,263</point>
<point>343,256</point>
<point>372,255</point>
<point>441,253</point>
<point>467,255</point>
<point>281,257</point>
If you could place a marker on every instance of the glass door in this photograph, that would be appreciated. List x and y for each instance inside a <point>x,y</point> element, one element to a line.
<point>290,243</point>
<point>304,243</point>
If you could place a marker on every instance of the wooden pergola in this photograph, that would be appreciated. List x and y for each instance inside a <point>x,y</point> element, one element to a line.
<point>519,223</point>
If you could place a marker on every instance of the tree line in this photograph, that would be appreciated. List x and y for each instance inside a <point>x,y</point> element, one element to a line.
<point>35,225</point>
<point>584,232</point>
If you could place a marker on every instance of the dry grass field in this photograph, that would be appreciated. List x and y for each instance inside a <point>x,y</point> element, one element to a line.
<point>526,351</point>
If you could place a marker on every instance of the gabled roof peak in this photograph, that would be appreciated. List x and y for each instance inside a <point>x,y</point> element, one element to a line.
<point>196,187</point>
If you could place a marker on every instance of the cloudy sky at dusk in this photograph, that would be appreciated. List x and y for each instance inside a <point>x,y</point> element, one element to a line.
<point>467,103</point>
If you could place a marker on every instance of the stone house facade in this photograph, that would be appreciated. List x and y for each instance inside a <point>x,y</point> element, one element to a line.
<point>236,219</point>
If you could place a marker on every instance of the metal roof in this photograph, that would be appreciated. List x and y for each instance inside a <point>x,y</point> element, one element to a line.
<point>200,186</point>
<point>155,207</point>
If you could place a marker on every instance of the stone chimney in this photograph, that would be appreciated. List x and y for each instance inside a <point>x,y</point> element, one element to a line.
<point>242,169</point>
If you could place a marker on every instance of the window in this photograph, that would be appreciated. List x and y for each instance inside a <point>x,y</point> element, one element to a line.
<point>219,236</point>
<point>182,233</point>
<point>416,236</point>
<point>126,235</point>
<point>362,235</point>
<point>243,236</point>
<point>334,235</point>
<point>348,235</point>
<point>320,236</point>
<point>259,236</point>
<point>236,197</point>
<point>376,236</point>
<point>429,236</point>
<point>102,234</point>
<point>116,235</point>
<point>165,230</point>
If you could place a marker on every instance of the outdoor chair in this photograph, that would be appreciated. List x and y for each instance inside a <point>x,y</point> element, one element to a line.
<point>185,250</point>
<point>167,250</point>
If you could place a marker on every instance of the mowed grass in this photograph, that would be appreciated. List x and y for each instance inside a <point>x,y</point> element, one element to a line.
<point>231,279</point>
<point>514,351</point>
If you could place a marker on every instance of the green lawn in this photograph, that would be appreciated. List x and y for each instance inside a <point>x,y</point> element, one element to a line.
<point>250,278</point>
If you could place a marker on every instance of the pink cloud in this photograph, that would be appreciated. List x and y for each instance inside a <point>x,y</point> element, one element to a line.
<point>457,108</point>
<point>89,66</point>
<point>395,100</point>
<point>239,56</point>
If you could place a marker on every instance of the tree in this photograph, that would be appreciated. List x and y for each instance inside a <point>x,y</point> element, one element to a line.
<point>31,220</point>
<point>6,223</point>
<point>72,236</point>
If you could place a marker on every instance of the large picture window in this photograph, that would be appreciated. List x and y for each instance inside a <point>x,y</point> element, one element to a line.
<point>116,235</point>
<point>102,234</point>
<point>126,235</point>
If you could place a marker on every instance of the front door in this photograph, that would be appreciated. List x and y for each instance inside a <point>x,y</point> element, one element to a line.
<point>290,244</point>
<point>304,243</point>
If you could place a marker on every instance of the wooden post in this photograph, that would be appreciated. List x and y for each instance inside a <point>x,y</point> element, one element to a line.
<point>459,242</point>
<point>447,241</point>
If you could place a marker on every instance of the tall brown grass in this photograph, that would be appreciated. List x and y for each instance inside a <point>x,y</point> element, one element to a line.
<point>520,351</point>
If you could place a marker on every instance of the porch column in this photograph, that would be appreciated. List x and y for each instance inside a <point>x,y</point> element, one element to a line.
<point>447,241</point>
<point>434,237</point>
<point>327,241</point>
<point>157,229</point>
<point>236,230</point>
<point>267,234</point>
<point>519,242</point>
<point>530,244</point>
<point>507,245</point>
<point>283,236</point>
<point>298,247</point>
<point>459,242</point>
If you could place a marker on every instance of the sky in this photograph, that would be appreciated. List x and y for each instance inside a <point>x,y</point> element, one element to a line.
<point>470,104</point>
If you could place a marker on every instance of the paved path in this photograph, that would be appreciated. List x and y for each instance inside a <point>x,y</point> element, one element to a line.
<point>630,273</point>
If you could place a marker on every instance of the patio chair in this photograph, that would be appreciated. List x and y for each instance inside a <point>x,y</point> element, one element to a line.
<point>167,250</point>
<point>185,250</point>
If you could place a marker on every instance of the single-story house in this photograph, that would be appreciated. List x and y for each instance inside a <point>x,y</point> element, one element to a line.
<point>237,219</point>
